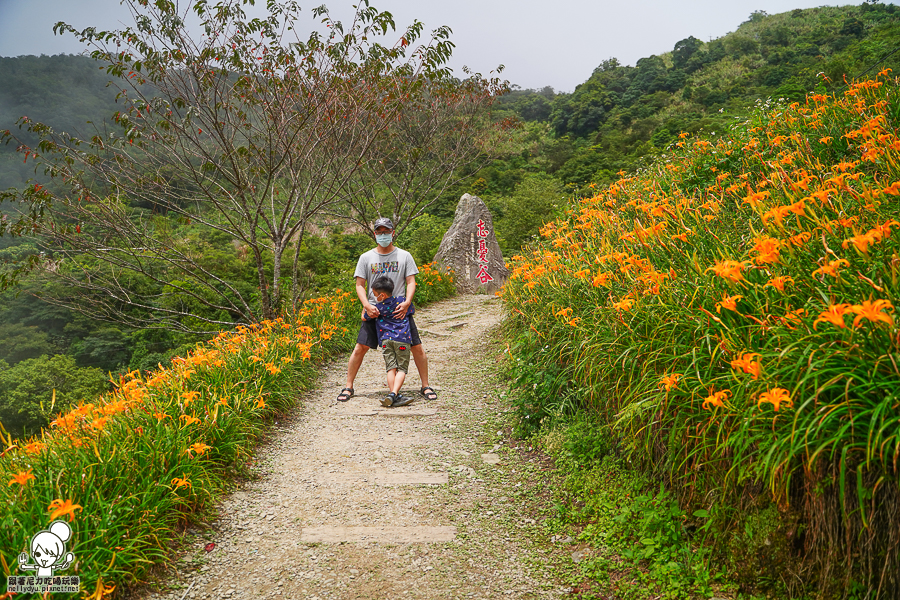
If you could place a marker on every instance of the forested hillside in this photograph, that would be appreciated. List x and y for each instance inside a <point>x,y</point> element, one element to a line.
<point>63,91</point>
<point>622,115</point>
<point>617,120</point>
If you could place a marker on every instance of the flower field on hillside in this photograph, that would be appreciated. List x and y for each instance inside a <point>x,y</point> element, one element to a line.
<point>729,312</point>
<point>132,468</point>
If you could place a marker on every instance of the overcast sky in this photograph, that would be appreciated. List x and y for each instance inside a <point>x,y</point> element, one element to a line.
<point>556,43</point>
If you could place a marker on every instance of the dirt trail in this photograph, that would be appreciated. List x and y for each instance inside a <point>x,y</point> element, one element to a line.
<point>357,501</point>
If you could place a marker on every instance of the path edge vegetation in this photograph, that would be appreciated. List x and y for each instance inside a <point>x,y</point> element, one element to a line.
<point>723,321</point>
<point>137,466</point>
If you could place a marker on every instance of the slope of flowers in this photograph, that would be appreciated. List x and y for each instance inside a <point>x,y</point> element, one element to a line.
<point>132,468</point>
<point>433,283</point>
<point>730,313</point>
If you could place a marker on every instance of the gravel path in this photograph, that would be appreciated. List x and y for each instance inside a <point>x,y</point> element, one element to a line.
<point>355,501</point>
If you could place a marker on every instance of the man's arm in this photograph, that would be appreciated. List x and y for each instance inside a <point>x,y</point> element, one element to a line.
<point>364,297</point>
<point>400,313</point>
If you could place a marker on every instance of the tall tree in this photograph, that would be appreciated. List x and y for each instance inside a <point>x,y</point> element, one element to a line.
<point>440,137</point>
<point>249,131</point>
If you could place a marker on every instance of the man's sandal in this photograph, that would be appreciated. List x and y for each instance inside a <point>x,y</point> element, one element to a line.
<point>428,392</point>
<point>345,394</point>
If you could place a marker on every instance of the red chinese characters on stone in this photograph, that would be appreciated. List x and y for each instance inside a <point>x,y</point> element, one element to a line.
<point>482,251</point>
<point>483,275</point>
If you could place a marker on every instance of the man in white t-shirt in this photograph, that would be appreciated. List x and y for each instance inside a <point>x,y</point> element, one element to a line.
<point>385,260</point>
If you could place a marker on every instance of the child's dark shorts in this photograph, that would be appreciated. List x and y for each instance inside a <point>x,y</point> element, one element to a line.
<point>368,334</point>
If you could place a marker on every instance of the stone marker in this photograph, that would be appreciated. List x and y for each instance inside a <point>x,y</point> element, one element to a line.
<point>396,535</point>
<point>471,250</point>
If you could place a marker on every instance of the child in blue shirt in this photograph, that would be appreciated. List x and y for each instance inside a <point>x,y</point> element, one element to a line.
<point>394,337</point>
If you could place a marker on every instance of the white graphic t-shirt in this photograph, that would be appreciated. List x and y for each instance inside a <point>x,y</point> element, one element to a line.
<point>396,266</point>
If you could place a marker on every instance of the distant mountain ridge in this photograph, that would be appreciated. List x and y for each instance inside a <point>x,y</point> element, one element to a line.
<point>622,113</point>
<point>612,120</point>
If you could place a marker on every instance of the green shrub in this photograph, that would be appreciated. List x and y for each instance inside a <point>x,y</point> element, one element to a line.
<point>36,388</point>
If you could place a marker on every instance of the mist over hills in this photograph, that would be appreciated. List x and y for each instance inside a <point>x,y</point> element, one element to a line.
<point>609,122</point>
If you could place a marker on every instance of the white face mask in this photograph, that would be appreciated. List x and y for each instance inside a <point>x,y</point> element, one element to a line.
<point>384,239</point>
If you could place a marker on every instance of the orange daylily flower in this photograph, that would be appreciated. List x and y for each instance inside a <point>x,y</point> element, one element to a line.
<point>728,269</point>
<point>834,314</point>
<point>33,447</point>
<point>883,231</point>
<point>563,312</point>
<point>200,448</point>
<point>779,282</point>
<point>794,317</point>
<point>190,396</point>
<point>271,368</point>
<point>260,403</point>
<point>716,399</point>
<point>60,508</point>
<point>767,249</point>
<point>600,279</point>
<point>872,310</point>
<point>746,364</point>
<point>100,423</point>
<point>179,482</point>
<point>775,397</point>
<point>831,267</point>
<point>670,381</point>
<point>624,304</point>
<point>778,213</point>
<point>822,195</point>
<point>728,302</point>
<point>189,420</point>
<point>22,477</point>
<point>861,242</point>
<point>754,199</point>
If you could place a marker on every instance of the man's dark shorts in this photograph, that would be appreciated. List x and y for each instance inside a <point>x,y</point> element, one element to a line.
<point>368,335</point>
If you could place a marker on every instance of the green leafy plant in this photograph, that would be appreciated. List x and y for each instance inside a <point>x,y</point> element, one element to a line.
<point>727,315</point>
